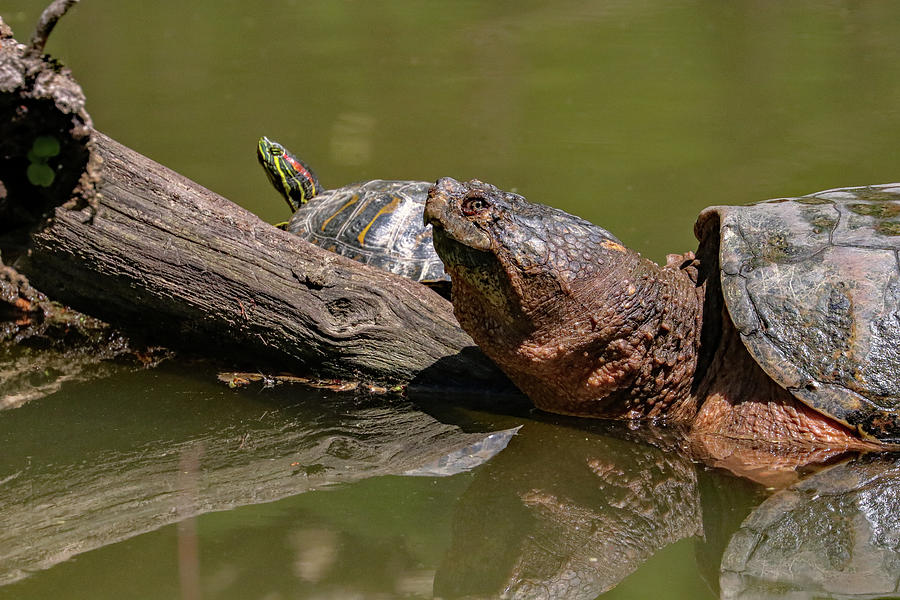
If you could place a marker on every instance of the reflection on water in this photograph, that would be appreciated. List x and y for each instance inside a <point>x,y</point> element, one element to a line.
<point>835,534</point>
<point>117,477</point>
<point>633,114</point>
<point>567,513</point>
<point>188,545</point>
<point>225,502</point>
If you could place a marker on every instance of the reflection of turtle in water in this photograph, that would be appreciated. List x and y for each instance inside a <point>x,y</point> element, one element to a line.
<point>784,328</point>
<point>835,534</point>
<point>375,222</point>
<point>598,505</point>
<point>571,525</point>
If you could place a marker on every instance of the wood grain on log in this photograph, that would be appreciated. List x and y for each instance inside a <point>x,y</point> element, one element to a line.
<point>184,266</point>
<point>124,239</point>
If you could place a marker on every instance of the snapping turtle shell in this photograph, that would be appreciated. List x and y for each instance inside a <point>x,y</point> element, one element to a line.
<point>812,285</point>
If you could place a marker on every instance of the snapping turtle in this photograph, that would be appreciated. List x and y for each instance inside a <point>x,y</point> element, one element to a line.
<point>375,222</point>
<point>784,327</point>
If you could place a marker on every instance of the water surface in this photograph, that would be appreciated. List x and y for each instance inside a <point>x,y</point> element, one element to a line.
<point>634,115</point>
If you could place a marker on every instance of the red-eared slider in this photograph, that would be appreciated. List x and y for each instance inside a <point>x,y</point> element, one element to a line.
<point>375,222</point>
<point>807,351</point>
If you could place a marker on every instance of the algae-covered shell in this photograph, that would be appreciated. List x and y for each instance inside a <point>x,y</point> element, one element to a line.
<point>813,286</point>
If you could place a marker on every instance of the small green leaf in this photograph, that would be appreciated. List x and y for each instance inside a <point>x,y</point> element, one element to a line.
<point>45,146</point>
<point>40,174</point>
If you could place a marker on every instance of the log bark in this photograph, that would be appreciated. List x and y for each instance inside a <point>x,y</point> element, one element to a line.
<point>168,259</point>
<point>127,240</point>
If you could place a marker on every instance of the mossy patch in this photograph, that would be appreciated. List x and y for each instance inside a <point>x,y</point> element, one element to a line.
<point>778,248</point>
<point>870,195</point>
<point>879,210</point>
<point>888,228</point>
<point>823,223</point>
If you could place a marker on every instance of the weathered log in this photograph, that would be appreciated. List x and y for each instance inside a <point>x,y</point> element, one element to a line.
<point>170,259</point>
<point>160,257</point>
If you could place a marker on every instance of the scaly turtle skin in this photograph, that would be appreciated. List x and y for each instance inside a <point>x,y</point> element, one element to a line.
<point>785,327</point>
<point>374,222</point>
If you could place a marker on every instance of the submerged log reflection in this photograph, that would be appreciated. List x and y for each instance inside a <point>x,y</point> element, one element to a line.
<point>121,477</point>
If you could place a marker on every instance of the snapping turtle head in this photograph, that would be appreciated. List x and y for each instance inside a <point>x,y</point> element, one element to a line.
<point>560,304</point>
<point>514,264</point>
<point>518,255</point>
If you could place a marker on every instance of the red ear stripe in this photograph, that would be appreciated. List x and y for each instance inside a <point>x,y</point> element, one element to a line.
<point>300,169</point>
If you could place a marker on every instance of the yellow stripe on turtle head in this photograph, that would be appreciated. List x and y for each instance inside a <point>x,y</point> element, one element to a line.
<point>291,176</point>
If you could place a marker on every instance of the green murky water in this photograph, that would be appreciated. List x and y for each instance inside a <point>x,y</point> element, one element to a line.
<point>635,115</point>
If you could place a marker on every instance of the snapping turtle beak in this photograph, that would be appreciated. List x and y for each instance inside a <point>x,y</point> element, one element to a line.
<point>442,212</point>
<point>435,205</point>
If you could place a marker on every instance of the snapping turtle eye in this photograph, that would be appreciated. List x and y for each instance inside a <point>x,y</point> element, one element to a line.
<point>474,205</point>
